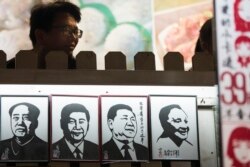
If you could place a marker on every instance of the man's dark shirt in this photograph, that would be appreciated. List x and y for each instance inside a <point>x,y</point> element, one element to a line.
<point>60,150</point>
<point>36,149</point>
<point>110,151</point>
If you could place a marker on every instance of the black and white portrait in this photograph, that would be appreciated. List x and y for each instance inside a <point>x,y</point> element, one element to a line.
<point>124,128</point>
<point>174,127</point>
<point>24,128</point>
<point>75,128</point>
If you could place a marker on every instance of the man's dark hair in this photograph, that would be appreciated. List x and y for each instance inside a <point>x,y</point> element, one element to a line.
<point>33,112</point>
<point>163,115</point>
<point>205,37</point>
<point>113,110</point>
<point>206,33</point>
<point>70,108</point>
<point>43,15</point>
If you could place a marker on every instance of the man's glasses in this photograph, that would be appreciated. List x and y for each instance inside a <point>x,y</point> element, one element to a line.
<point>67,30</point>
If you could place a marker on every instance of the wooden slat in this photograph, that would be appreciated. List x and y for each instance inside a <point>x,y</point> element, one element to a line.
<point>59,164</point>
<point>144,61</point>
<point>27,164</point>
<point>86,60</point>
<point>152,164</point>
<point>180,164</point>
<point>2,59</point>
<point>26,59</point>
<point>89,164</point>
<point>121,164</point>
<point>115,61</point>
<point>57,60</point>
<point>202,61</point>
<point>173,61</point>
<point>105,77</point>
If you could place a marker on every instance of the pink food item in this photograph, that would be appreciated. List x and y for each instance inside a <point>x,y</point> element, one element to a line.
<point>183,35</point>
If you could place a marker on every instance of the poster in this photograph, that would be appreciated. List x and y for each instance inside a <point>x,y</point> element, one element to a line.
<point>116,25</point>
<point>177,25</point>
<point>233,52</point>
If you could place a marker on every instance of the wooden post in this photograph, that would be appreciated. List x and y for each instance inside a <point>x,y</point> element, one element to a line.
<point>115,61</point>
<point>2,59</point>
<point>56,60</point>
<point>144,61</point>
<point>202,61</point>
<point>26,59</point>
<point>173,61</point>
<point>86,60</point>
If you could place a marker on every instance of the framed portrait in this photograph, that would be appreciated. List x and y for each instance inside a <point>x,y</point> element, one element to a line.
<point>174,127</point>
<point>24,128</point>
<point>74,128</point>
<point>124,128</point>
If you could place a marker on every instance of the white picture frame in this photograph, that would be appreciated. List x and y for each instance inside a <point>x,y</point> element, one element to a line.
<point>139,108</point>
<point>23,108</point>
<point>178,116</point>
<point>58,102</point>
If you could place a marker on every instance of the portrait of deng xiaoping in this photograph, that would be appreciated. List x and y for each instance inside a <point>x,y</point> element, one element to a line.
<point>176,116</point>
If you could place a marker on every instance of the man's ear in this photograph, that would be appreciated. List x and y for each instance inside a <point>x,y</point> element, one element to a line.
<point>110,124</point>
<point>40,36</point>
<point>62,124</point>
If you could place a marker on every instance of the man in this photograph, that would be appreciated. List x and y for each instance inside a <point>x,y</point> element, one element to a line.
<point>123,125</point>
<point>53,26</point>
<point>24,145</point>
<point>174,122</point>
<point>75,125</point>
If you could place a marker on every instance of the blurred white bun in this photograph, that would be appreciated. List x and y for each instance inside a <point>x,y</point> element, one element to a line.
<point>127,39</point>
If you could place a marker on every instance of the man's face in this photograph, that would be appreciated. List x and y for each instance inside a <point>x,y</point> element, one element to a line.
<point>124,125</point>
<point>59,38</point>
<point>179,122</point>
<point>77,126</point>
<point>20,121</point>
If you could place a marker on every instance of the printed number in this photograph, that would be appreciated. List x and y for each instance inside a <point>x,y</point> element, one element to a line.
<point>234,90</point>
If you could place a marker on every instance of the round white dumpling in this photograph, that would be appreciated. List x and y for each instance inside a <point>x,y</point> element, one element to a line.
<point>127,39</point>
<point>94,26</point>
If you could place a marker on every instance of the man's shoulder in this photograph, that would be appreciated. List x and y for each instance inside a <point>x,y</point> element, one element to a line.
<point>141,147</point>
<point>59,143</point>
<point>38,140</point>
<point>90,144</point>
<point>108,144</point>
<point>141,151</point>
<point>5,143</point>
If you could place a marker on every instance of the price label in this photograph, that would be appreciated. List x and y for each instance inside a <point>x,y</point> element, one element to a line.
<point>234,90</point>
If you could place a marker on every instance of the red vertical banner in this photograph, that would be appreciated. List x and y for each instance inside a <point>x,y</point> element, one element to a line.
<point>233,51</point>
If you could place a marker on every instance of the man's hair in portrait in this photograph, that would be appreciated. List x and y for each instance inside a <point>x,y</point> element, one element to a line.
<point>113,110</point>
<point>163,115</point>
<point>70,108</point>
<point>33,112</point>
<point>43,15</point>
